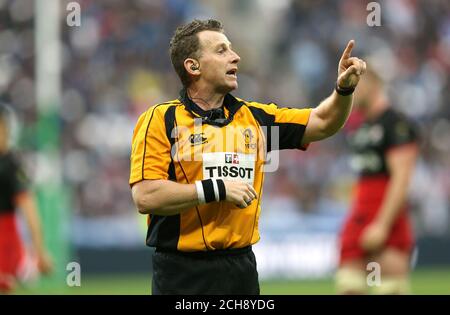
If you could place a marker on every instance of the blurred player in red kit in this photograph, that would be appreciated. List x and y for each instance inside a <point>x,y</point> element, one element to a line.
<point>17,263</point>
<point>378,229</point>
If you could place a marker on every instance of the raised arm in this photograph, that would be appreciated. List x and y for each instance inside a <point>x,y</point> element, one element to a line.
<point>331,114</point>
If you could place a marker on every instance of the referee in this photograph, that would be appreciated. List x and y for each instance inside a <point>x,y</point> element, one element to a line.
<point>197,163</point>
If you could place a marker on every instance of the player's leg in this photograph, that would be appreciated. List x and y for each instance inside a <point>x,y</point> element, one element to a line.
<point>7,283</point>
<point>394,266</point>
<point>18,266</point>
<point>10,253</point>
<point>394,259</point>
<point>351,277</point>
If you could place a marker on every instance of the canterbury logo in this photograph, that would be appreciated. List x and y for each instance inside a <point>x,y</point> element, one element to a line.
<point>198,138</point>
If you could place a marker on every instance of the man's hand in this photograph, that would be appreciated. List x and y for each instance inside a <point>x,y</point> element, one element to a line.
<point>374,236</point>
<point>350,68</point>
<point>239,193</point>
<point>44,263</point>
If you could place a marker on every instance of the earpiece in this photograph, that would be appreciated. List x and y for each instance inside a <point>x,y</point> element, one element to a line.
<point>194,67</point>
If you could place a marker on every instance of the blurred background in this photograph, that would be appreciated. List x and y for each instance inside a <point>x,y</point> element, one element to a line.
<point>78,98</point>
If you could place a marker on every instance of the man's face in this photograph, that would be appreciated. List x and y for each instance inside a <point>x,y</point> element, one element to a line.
<point>218,62</point>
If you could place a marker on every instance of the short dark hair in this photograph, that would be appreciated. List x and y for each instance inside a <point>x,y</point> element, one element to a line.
<point>185,44</point>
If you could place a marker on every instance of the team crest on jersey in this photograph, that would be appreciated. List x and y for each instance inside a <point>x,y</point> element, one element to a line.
<point>248,139</point>
<point>197,138</point>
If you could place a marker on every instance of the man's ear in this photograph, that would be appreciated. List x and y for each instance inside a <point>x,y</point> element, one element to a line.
<point>192,66</point>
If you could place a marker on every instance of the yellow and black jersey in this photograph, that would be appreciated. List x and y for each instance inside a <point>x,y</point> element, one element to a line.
<point>176,141</point>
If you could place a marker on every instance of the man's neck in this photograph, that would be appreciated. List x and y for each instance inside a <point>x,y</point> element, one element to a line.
<point>205,99</point>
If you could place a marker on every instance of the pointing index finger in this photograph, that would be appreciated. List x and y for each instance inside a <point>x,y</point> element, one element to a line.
<point>348,50</point>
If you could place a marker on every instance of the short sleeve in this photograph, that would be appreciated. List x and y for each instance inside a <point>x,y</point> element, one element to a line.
<point>290,123</point>
<point>400,131</point>
<point>150,151</point>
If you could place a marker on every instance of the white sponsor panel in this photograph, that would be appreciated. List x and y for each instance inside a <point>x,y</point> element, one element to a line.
<point>229,166</point>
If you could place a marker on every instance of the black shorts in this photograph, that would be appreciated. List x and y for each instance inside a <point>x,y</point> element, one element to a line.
<point>219,272</point>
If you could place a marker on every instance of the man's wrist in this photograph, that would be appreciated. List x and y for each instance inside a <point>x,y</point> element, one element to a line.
<point>210,190</point>
<point>344,91</point>
<point>200,192</point>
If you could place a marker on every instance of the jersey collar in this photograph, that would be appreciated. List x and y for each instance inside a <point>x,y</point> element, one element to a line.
<point>229,102</point>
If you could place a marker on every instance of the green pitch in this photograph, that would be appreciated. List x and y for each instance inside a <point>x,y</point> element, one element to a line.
<point>428,281</point>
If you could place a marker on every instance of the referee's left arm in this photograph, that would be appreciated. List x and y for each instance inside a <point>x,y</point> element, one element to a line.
<point>331,114</point>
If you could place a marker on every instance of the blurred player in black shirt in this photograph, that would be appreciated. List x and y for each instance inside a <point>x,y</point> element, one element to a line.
<point>378,229</point>
<point>16,263</point>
